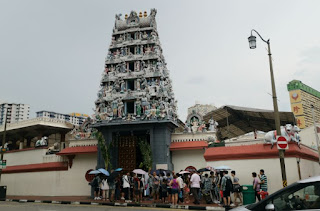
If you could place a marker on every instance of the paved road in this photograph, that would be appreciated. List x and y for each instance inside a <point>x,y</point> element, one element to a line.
<point>13,206</point>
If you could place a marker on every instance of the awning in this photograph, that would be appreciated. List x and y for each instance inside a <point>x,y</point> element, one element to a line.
<point>78,150</point>
<point>186,145</point>
<point>236,121</point>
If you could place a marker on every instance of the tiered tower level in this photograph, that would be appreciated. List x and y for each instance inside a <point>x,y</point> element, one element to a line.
<point>135,84</point>
<point>302,97</point>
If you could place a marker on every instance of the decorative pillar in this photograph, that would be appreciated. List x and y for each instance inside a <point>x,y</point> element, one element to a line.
<point>21,144</point>
<point>62,140</point>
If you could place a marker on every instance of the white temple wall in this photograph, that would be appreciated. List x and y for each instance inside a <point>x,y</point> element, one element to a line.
<point>25,157</point>
<point>184,158</point>
<point>309,168</point>
<point>308,136</point>
<point>53,183</point>
<point>272,169</point>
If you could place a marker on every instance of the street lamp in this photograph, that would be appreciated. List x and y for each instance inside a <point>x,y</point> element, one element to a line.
<point>252,42</point>
<point>252,45</point>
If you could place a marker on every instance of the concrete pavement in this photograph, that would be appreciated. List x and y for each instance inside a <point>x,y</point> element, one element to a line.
<point>85,200</point>
<point>55,206</point>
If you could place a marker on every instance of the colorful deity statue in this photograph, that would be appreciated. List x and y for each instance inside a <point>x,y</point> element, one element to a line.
<point>138,107</point>
<point>120,108</point>
<point>115,107</point>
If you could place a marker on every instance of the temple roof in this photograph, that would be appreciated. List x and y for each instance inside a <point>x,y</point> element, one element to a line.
<point>235,121</point>
<point>134,20</point>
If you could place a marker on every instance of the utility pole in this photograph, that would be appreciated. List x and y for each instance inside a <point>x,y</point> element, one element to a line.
<point>315,131</point>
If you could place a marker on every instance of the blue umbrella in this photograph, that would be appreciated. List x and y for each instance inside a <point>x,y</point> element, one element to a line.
<point>94,172</point>
<point>103,171</point>
<point>118,169</point>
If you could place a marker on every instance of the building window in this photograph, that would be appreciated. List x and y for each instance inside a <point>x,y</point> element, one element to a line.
<point>130,107</point>
<point>130,84</point>
<point>131,66</point>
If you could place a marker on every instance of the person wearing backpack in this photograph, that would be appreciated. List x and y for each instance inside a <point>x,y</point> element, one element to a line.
<point>164,190</point>
<point>227,187</point>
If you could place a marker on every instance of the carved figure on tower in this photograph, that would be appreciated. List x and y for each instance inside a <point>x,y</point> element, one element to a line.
<point>135,80</point>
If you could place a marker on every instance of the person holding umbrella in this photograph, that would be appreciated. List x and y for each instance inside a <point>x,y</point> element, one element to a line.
<point>105,188</point>
<point>96,182</point>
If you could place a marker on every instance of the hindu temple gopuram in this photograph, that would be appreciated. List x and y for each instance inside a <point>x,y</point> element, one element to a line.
<point>136,101</point>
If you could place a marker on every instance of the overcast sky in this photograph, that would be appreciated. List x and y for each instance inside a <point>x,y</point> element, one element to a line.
<point>52,53</point>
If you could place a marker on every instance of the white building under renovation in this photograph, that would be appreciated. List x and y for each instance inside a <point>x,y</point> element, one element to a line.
<point>14,112</point>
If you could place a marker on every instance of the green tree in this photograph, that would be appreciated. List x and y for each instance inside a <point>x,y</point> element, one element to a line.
<point>145,149</point>
<point>105,150</point>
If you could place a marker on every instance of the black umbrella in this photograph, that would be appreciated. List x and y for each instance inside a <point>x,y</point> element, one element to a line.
<point>113,175</point>
<point>161,171</point>
<point>203,169</point>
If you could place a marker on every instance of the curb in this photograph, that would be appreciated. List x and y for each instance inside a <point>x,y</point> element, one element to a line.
<point>117,204</point>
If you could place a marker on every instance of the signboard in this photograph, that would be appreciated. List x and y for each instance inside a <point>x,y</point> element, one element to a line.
<point>300,121</point>
<point>3,164</point>
<point>297,109</point>
<point>295,96</point>
<point>162,166</point>
<point>282,143</point>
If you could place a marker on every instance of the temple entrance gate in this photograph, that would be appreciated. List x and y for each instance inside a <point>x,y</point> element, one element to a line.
<point>128,152</point>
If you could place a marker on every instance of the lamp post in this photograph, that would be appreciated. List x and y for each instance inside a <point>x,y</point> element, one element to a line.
<point>252,45</point>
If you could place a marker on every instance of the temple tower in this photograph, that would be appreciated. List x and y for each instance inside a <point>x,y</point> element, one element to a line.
<point>136,101</point>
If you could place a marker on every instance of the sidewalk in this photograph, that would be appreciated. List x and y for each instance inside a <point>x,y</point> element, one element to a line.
<point>87,200</point>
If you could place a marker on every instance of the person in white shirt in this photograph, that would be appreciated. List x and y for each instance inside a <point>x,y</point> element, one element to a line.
<point>104,188</point>
<point>126,185</point>
<point>195,186</point>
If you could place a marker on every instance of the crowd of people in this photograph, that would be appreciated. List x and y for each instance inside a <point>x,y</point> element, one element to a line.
<point>168,187</point>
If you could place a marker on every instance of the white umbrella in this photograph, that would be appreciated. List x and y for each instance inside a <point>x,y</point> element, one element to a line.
<point>139,171</point>
<point>222,168</point>
<point>184,172</point>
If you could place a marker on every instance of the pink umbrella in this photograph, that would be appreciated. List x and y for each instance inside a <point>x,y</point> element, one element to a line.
<point>139,171</point>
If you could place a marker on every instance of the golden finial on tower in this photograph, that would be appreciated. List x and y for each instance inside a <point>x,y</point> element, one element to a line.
<point>145,14</point>
<point>140,14</point>
<point>126,16</point>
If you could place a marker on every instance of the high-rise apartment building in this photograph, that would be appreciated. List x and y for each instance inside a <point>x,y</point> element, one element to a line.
<point>302,97</point>
<point>14,112</point>
<point>73,118</point>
